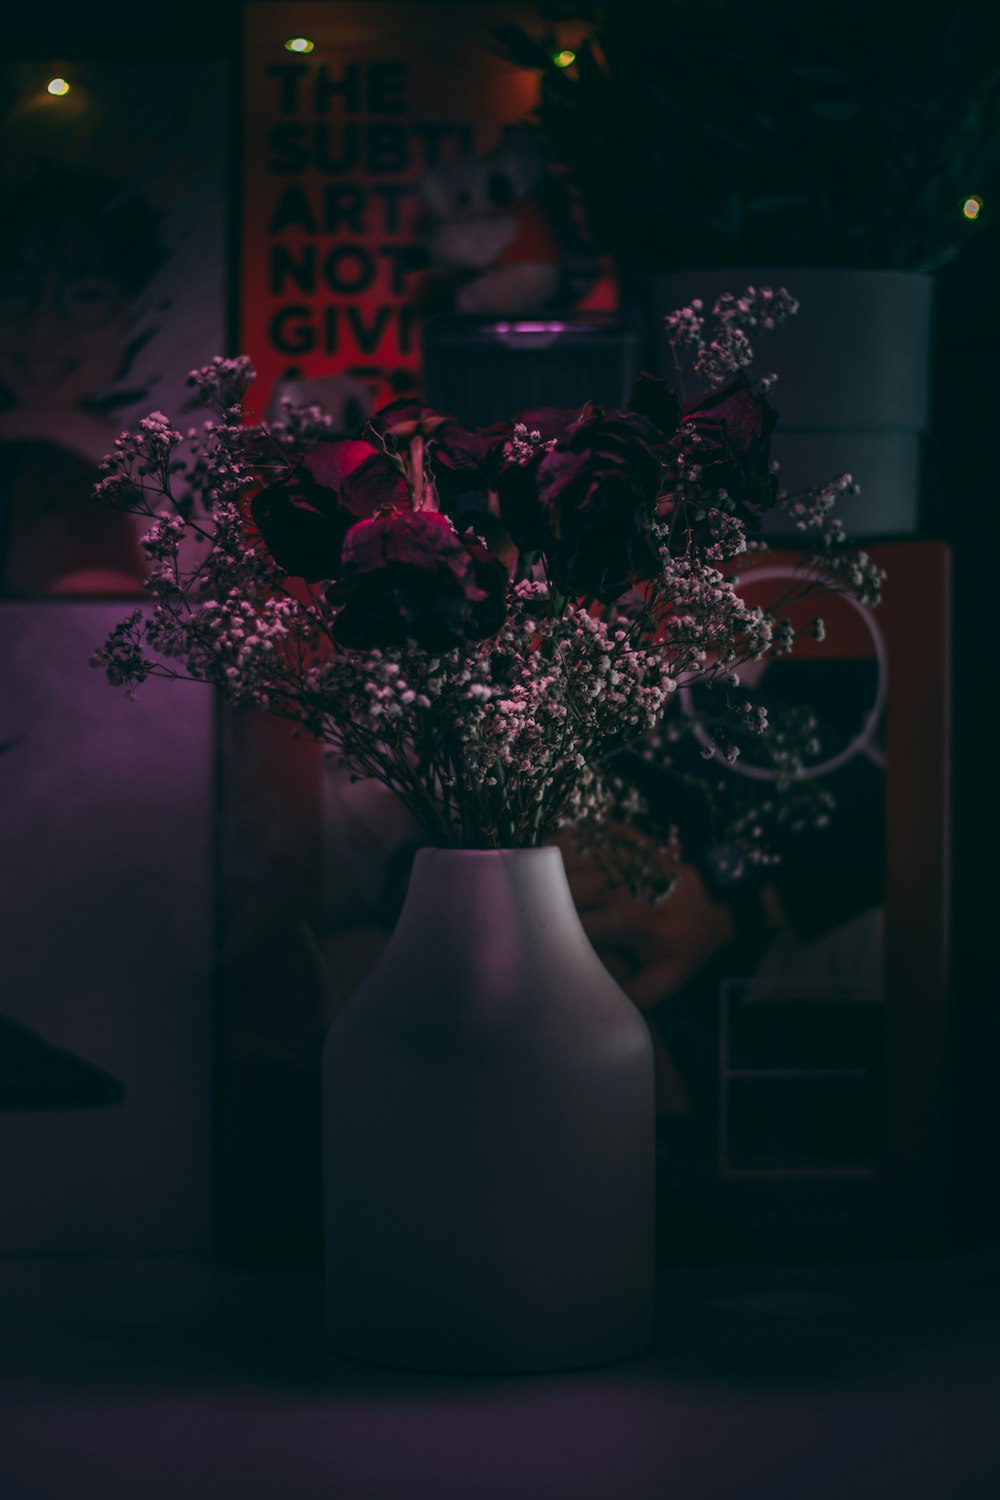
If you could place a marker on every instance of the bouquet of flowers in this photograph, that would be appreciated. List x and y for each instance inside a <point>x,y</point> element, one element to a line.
<point>483,621</point>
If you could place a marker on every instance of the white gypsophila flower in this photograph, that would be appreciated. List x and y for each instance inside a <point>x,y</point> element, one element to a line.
<point>503,733</point>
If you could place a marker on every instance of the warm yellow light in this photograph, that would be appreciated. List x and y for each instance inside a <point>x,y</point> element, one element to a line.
<point>58,86</point>
<point>299,44</point>
<point>564,59</point>
<point>972,207</point>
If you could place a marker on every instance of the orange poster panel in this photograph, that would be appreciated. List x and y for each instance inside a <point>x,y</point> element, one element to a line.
<point>336,141</point>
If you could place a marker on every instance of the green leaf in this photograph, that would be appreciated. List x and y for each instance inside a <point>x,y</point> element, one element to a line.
<point>820,75</point>
<point>776,203</point>
<point>839,109</point>
<point>522,48</point>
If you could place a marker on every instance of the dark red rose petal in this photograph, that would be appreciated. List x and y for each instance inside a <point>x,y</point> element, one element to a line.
<point>404,419</point>
<point>410,575</point>
<point>652,398</point>
<point>330,463</point>
<point>302,525</point>
<point>377,484</point>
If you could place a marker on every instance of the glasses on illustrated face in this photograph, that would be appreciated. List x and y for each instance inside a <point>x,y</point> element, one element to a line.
<point>86,301</point>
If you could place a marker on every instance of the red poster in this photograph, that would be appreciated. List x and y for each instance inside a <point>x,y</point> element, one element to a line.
<point>337,140</point>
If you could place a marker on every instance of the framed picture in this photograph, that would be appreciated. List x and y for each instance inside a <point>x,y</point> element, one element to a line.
<point>108,914</point>
<point>112,262</point>
<point>112,285</point>
<point>802,1065</point>
<point>339,139</point>
<point>336,141</point>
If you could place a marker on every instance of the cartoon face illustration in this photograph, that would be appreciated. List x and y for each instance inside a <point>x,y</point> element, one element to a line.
<point>61,332</point>
<point>75,249</point>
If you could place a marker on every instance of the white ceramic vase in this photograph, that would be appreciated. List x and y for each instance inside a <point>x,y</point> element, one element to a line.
<point>489,1134</point>
<point>853,393</point>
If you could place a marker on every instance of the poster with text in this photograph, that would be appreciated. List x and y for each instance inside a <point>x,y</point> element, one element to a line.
<point>338,142</point>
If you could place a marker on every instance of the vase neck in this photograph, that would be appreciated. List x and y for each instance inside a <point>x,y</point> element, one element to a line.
<point>473,892</point>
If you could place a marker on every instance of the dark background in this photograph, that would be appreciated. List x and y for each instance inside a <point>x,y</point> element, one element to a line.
<point>960,506</point>
<point>127,1377</point>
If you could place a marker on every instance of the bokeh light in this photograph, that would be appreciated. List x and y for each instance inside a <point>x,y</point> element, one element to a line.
<point>564,59</point>
<point>972,207</point>
<point>58,86</point>
<point>299,44</point>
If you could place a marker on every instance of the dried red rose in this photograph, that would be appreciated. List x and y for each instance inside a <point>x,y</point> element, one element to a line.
<point>652,398</point>
<point>588,502</point>
<point>726,435</point>
<point>459,461</point>
<point>411,576</point>
<point>400,421</point>
<point>305,516</point>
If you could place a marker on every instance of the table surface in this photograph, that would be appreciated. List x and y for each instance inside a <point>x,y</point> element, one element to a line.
<point>142,1379</point>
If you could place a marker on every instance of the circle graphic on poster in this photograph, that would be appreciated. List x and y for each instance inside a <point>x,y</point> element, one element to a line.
<point>852,634</point>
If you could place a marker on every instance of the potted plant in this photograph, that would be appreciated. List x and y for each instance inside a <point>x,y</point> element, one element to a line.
<point>851,153</point>
<point>484,622</point>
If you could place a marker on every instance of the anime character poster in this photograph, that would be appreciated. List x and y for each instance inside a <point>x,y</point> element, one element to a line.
<point>111,289</point>
<point>112,251</point>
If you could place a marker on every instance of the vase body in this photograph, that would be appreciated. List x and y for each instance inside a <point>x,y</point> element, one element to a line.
<point>853,392</point>
<point>489,1163</point>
